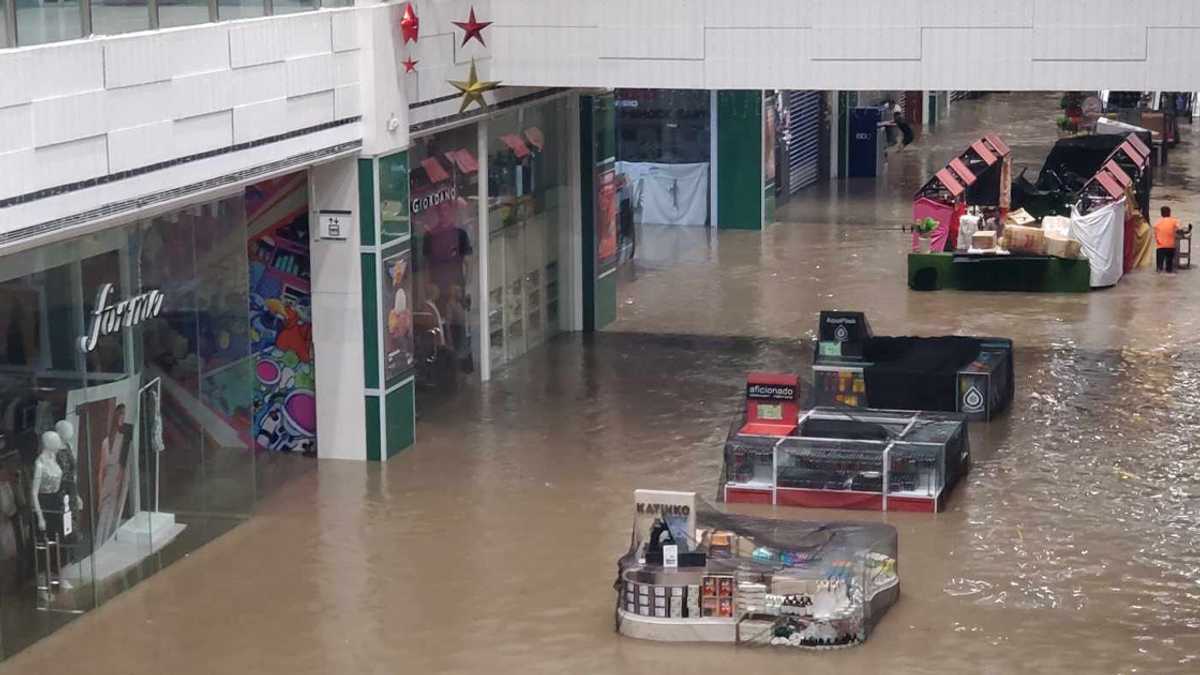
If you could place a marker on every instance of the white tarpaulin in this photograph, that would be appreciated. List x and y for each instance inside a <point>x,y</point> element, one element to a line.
<point>668,194</point>
<point>1109,126</point>
<point>1102,234</point>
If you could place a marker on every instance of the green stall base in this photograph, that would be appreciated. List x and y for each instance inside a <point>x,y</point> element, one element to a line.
<point>1028,274</point>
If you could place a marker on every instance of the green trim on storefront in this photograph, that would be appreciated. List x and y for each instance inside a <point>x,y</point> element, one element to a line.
<point>374,429</point>
<point>370,315</point>
<point>366,202</point>
<point>606,300</point>
<point>740,161</point>
<point>400,409</point>
<point>587,208</point>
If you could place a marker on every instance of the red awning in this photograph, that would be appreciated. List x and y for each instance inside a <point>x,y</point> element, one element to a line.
<point>433,169</point>
<point>962,172</point>
<point>515,144</point>
<point>1137,143</point>
<point>464,160</point>
<point>1134,154</point>
<point>1110,184</point>
<point>998,145</point>
<point>536,138</point>
<point>949,181</point>
<point>983,152</point>
<point>1118,173</point>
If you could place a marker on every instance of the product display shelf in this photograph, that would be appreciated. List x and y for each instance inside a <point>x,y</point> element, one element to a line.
<point>869,459</point>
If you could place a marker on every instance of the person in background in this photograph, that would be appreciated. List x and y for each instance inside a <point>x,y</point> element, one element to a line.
<point>1166,230</point>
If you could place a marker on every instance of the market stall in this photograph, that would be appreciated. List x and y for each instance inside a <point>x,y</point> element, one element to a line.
<point>980,179</point>
<point>855,368</point>
<point>695,574</point>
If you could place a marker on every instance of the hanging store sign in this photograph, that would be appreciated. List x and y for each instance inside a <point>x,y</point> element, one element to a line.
<point>108,319</point>
<point>440,196</point>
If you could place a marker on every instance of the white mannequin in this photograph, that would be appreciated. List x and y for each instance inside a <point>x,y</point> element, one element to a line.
<point>47,474</point>
<point>66,432</point>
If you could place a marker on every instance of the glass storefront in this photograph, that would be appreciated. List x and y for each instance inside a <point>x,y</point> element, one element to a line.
<point>529,208</point>
<point>131,392</point>
<point>528,211</point>
<point>444,193</point>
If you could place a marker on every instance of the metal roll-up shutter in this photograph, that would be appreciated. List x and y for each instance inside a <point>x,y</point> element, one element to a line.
<point>804,139</point>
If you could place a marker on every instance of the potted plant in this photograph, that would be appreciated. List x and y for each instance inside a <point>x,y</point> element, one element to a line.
<point>923,228</point>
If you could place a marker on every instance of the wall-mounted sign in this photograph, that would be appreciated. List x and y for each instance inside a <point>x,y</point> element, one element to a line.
<point>335,224</point>
<point>439,196</point>
<point>108,318</point>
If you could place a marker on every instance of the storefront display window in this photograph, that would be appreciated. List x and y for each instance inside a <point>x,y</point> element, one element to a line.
<point>127,399</point>
<point>528,207</point>
<point>393,197</point>
<point>285,403</point>
<point>444,198</point>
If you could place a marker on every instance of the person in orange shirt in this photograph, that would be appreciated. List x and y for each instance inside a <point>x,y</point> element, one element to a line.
<point>1165,232</point>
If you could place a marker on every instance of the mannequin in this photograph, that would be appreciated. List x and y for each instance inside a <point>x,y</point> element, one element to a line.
<point>51,505</point>
<point>68,461</point>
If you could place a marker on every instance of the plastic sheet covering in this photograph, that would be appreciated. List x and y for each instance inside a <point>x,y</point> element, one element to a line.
<point>1102,234</point>
<point>668,194</point>
<point>766,582</point>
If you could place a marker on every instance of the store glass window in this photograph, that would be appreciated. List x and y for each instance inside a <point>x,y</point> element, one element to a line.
<point>4,25</point>
<point>393,197</point>
<point>110,17</point>
<point>240,9</point>
<point>292,6</point>
<point>42,22</point>
<point>182,13</point>
<point>444,204</point>
<point>528,206</point>
<point>126,396</point>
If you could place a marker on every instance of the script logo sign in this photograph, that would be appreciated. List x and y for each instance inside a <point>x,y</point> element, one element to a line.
<point>108,318</point>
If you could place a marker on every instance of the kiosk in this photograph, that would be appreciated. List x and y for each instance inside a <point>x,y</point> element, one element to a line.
<point>855,368</point>
<point>695,574</point>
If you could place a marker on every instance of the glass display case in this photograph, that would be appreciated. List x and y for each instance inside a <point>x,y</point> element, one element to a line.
<point>863,459</point>
<point>761,582</point>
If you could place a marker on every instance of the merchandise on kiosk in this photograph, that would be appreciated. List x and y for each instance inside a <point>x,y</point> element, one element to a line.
<point>695,574</point>
<point>842,458</point>
<point>855,368</point>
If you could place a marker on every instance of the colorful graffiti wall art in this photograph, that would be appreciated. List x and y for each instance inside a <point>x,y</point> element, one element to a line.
<point>285,404</point>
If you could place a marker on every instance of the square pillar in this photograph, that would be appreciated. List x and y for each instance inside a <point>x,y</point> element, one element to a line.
<point>385,260</point>
<point>739,183</point>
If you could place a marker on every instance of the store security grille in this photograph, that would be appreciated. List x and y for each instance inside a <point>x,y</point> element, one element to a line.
<point>804,139</point>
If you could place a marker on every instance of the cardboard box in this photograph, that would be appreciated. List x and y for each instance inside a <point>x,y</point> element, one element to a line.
<point>1062,247</point>
<point>1019,217</point>
<point>1028,240</point>
<point>985,240</point>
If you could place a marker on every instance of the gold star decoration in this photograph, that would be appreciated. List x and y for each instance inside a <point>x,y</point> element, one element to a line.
<point>473,89</point>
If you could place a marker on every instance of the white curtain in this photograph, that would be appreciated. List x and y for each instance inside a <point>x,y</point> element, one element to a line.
<point>668,194</point>
<point>1102,234</point>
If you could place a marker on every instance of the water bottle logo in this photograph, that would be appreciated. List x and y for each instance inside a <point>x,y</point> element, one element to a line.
<point>973,400</point>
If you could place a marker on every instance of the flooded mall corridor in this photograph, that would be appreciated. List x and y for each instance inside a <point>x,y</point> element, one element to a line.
<point>491,546</point>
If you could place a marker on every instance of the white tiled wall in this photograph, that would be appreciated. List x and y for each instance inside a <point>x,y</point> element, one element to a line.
<point>83,110</point>
<point>849,44</point>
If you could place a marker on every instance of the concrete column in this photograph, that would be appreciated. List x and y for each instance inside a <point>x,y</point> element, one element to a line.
<point>337,314</point>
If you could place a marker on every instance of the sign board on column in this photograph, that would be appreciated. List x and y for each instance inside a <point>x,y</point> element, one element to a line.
<point>335,224</point>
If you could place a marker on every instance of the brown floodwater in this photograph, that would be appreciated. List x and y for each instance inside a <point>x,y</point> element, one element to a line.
<point>491,546</point>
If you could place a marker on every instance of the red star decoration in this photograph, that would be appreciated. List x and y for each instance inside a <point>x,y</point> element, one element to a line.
<point>473,28</point>
<point>410,25</point>
<point>409,64</point>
